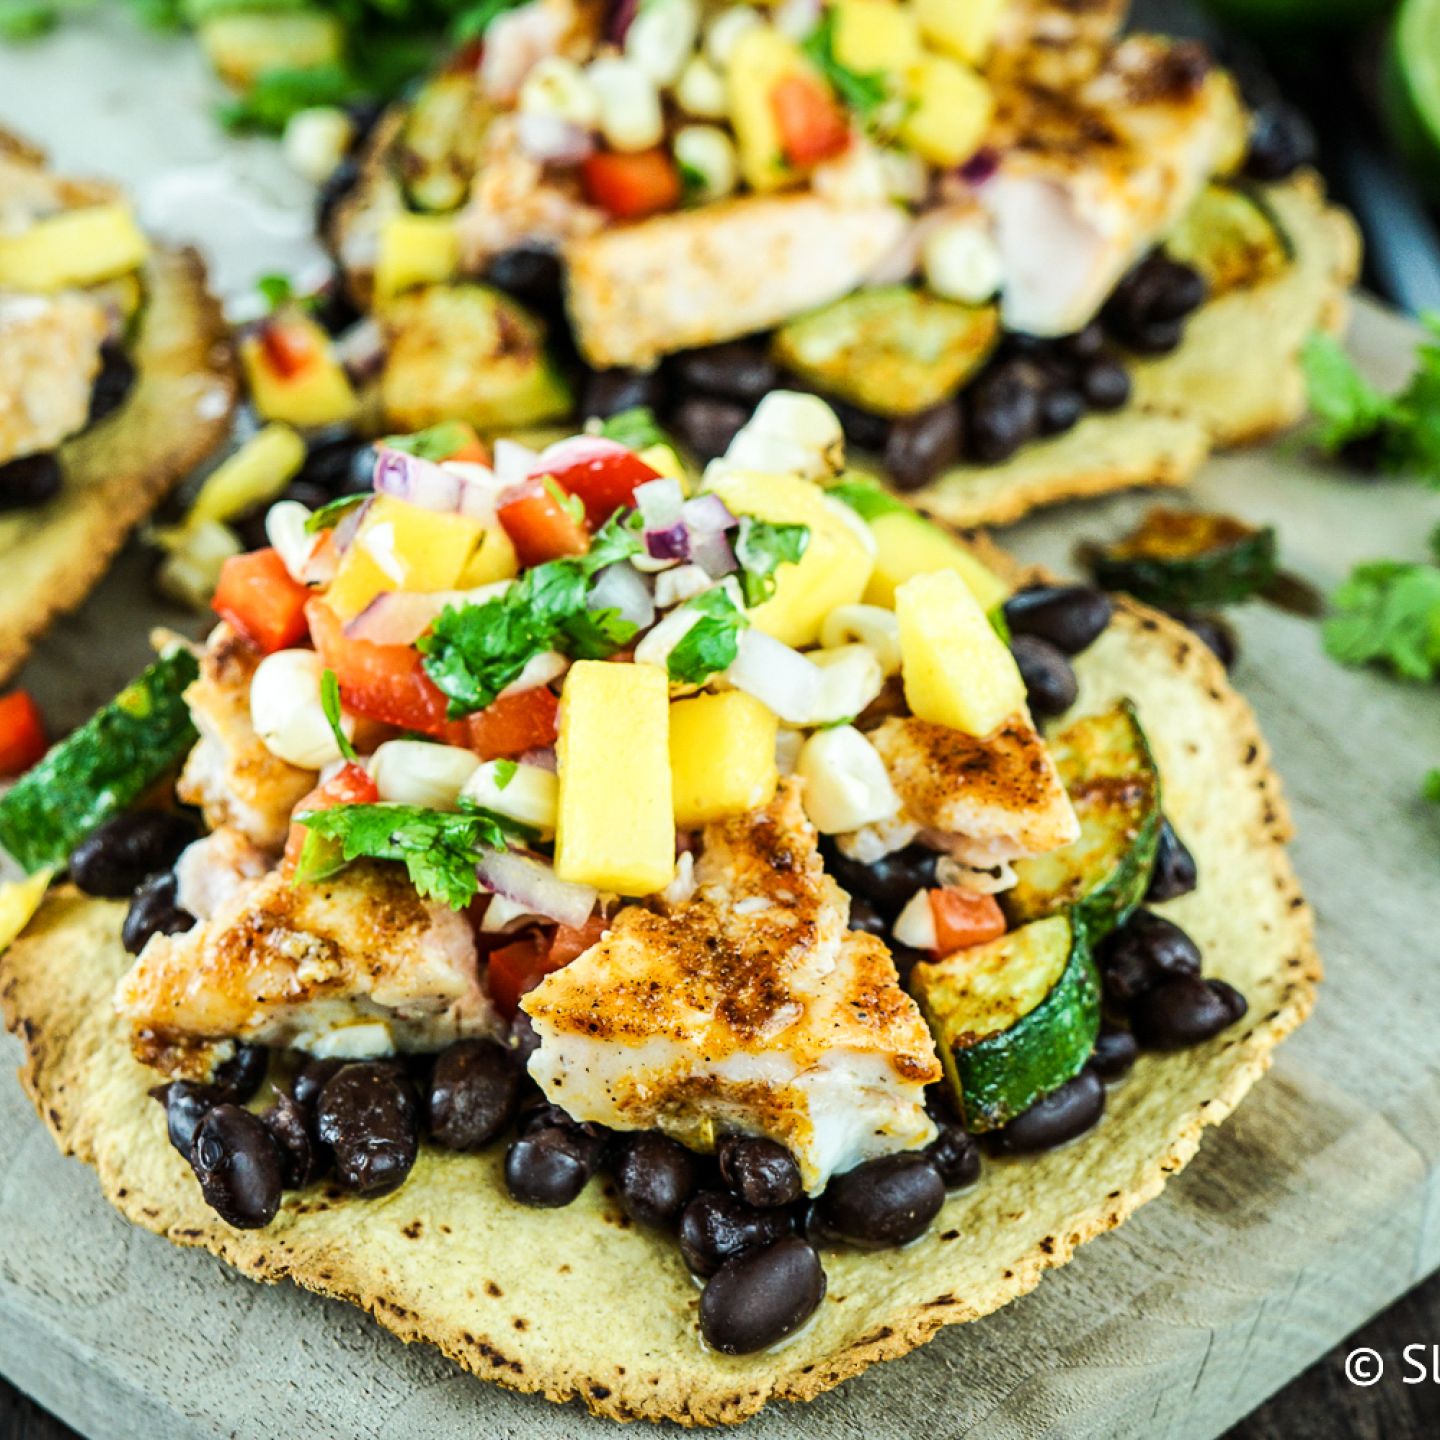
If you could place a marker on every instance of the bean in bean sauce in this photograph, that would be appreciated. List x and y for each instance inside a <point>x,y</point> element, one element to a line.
<point>186,1105</point>
<point>154,911</point>
<point>761,1296</point>
<point>29,481</point>
<point>717,1226</point>
<point>890,1200</point>
<point>330,463</point>
<point>473,1091</point>
<point>954,1153</point>
<point>1002,412</point>
<point>311,1080</point>
<point>113,383</point>
<point>548,1166</point>
<point>1115,1052</point>
<point>887,883</point>
<point>1059,1116</point>
<point>608,392</point>
<point>524,1041</point>
<point>863,428</point>
<point>1175,873</point>
<point>739,370</point>
<point>1143,951</point>
<point>243,1073</point>
<point>238,1167</point>
<point>1050,683</point>
<point>762,1172</point>
<point>1104,383</point>
<point>531,274</point>
<point>919,447</point>
<point>1070,617</point>
<point>302,1160</point>
<point>1084,344</point>
<point>707,425</point>
<point>114,859</point>
<point>1061,408</point>
<point>368,1115</point>
<point>1184,1010</point>
<point>655,1176</point>
<point>864,916</point>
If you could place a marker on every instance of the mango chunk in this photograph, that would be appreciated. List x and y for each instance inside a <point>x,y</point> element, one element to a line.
<point>294,374</point>
<point>75,247</point>
<point>907,544</point>
<point>962,28</point>
<point>416,250</point>
<point>834,569</point>
<point>956,669</point>
<point>950,111</point>
<point>400,546</point>
<point>494,560</point>
<point>615,826</point>
<point>722,756</point>
<point>876,35</point>
<point>761,59</point>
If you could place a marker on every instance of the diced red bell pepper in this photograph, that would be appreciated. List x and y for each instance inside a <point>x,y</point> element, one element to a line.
<point>528,720</point>
<point>812,125</point>
<point>289,348</point>
<point>539,526</point>
<point>519,967</point>
<point>631,185</point>
<point>349,785</point>
<point>22,733</point>
<point>384,682</point>
<point>258,597</point>
<point>963,919</point>
<point>603,473</point>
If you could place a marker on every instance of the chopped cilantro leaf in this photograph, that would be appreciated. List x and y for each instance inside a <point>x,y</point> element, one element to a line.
<point>1431,787</point>
<point>635,428</point>
<point>434,443</point>
<point>865,94</point>
<point>275,290</point>
<point>471,24</point>
<point>761,548</point>
<point>332,512</point>
<point>1389,614</point>
<point>439,848</point>
<point>505,772</point>
<point>572,505</point>
<point>330,704</point>
<point>711,644</point>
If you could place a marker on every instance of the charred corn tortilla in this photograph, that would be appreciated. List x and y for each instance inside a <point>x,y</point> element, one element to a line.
<point>585,1304</point>
<point>117,470</point>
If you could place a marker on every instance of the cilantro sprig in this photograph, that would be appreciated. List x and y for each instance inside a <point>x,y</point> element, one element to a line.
<point>438,442</point>
<point>761,547</point>
<point>1388,613</point>
<point>711,644</point>
<point>864,93</point>
<point>330,704</point>
<point>332,512</point>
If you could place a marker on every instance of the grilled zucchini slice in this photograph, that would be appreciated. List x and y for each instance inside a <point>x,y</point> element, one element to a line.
<point>1114,785</point>
<point>892,350</point>
<point>1013,1019</point>
<point>1184,559</point>
<point>438,147</point>
<point>123,750</point>
<point>1233,237</point>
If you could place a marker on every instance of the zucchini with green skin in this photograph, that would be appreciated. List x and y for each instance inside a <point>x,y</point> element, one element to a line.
<point>123,750</point>
<point>1185,559</point>
<point>891,350</point>
<point>1013,1019</point>
<point>1233,237</point>
<point>1114,785</point>
<point>435,156</point>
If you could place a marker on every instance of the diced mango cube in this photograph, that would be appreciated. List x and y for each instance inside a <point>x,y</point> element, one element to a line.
<point>400,546</point>
<point>908,544</point>
<point>254,475</point>
<point>74,247</point>
<point>956,669</point>
<point>876,35</point>
<point>834,568</point>
<point>615,826</point>
<point>494,560</point>
<point>416,250</point>
<point>761,58</point>
<point>962,28</point>
<point>313,391</point>
<point>950,111</point>
<point>722,756</point>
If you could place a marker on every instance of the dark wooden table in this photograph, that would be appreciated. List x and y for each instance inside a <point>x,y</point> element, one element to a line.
<point>1320,1404</point>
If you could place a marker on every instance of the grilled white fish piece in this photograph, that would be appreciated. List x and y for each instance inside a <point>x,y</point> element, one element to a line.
<point>49,358</point>
<point>749,1007</point>
<point>230,774</point>
<point>1054,42</point>
<point>696,277</point>
<point>215,868</point>
<point>1092,176</point>
<point>986,801</point>
<point>355,966</point>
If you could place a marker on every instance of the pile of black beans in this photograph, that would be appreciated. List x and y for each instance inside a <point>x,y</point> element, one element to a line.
<point>1048,625</point>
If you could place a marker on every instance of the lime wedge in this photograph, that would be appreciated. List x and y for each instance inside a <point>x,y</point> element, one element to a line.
<point>1410,88</point>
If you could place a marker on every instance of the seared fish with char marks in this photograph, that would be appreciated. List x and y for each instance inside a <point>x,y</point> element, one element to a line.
<point>749,1007</point>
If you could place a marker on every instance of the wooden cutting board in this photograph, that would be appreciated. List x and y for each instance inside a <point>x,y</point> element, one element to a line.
<point>1312,1208</point>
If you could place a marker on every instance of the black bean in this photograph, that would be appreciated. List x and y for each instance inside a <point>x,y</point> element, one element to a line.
<point>473,1091</point>
<point>608,392</point>
<point>329,465</point>
<point>1084,344</point>
<point>1148,304</point>
<point>707,426</point>
<point>360,479</point>
<point>524,1041</point>
<point>761,1296</point>
<point>887,883</point>
<point>1002,412</point>
<point>1145,950</point>
<point>302,1160</point>
<point>534,276</point>
<point>890,1200</point>
<point>114,859</point>
<point>954,1153</point>
<point>1215,631</point>
<point>113,383</point>
<point>762,1172</point>
<point>186,1105</point>
<point>1156,337</point>
<point>863,428</point>
<point>1061,407</point>
<point>717,1226</point>
<point>919,447</point>
<point>864,916</point>
<point>940,1103</point>
<point>154,911</point>
<point>537,1112</point>
<point>1114,1054</point>
<point>1050,683</point>
<point>333,189</point>
<point>1281,141</point>
<point>739,370</point>
<point>238,1167</point>
<point>311,1080</point>
<point>368,1115</point>
<point>655,1177</point>
<point>548,1166</point>
<point>1070,617</point>
<point>1105,384</point>
<point>1238,1004</point>
<point>1182,1010</point>
<point>1059,1116</point>
<point>1175,873</point>
<point>243,1073</point>
<point>30,481</point>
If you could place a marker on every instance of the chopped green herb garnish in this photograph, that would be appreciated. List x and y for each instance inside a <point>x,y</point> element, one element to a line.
<point>1431,787</point>
<point>867,499</point>
<point>434,443</point>
<point>635,428</point>
<point>330,704</point>
<point>330,514</point>
<point>279,94</point>
<point>711,644</point>
<point>863,93</point>
<point>1389,614</point>
<point>27,19</point>
<point>275,290</point>
<point>471,24</point>
<point>761,548</point>
<point>572,505</point>
<point>505,772</point>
